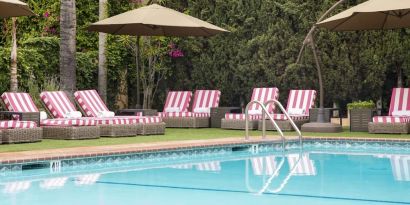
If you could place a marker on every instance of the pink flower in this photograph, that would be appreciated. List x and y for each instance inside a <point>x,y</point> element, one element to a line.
<point>176,53</point>
<point>46,14</point>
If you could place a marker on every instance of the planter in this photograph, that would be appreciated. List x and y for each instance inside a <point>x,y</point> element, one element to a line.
<point>360,118</point>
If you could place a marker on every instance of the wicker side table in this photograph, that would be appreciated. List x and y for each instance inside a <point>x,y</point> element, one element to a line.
<point>217,113</point>
<point>133,112</point>
<point>360,118</point>
<point>23,116</point>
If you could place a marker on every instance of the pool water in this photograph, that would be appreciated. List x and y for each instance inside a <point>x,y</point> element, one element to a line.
<point>325,174</point>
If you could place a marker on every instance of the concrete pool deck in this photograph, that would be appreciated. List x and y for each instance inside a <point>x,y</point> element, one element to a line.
<point>94,151</point>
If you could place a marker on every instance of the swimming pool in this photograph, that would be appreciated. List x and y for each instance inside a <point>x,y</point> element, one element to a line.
<point>340,172</point>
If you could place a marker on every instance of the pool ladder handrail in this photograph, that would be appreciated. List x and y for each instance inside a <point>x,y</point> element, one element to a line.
<point>264,113</point>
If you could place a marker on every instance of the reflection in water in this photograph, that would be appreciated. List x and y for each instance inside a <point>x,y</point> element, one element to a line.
<point>16,187</point>
<point>53,183</point>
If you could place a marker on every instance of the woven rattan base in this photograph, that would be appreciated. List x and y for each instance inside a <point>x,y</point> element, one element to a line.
<point>120,130</point>
<point>152,129</point>
<point>238,124</point>
<point>187,122</point>
<point>284,125</point>
<point>394,128</point>
<point>71,133</point>
<point>21,135</point>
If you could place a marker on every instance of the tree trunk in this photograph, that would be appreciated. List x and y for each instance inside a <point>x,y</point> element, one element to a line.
<point>102,58</point>
<point>122,96</point>
<point>68,46</point>
<point>13,65</point>
<point>399,77</point>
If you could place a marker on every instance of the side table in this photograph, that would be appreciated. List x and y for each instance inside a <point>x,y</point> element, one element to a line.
<point>217,113</point>
<point>23,116</point>
<point>133,112</point>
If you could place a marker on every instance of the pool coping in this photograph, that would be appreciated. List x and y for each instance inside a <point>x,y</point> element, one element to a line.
<point>107,150</point>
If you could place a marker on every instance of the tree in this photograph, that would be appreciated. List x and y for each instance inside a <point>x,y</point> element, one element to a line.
<point>102,58</point>
<point>13,64</point>
<point>68,24</point>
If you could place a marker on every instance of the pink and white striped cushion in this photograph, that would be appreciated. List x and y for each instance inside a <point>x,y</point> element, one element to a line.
<point>206,99</point>
<point>400,100</point>
<point>391,119</point>
<point>150,119</point>
<point>186,114</point>
<point>58,103</point>
<point>12,124</point>
<point>238,116</point>
<point>69,122</point>
<point>301,99</point>
<point>180,99</point>
<point>294,117</point>
<point>19,102</point>
<point>263,95</point>
<point>91,102</point>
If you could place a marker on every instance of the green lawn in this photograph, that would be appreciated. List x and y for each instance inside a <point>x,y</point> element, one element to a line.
<point>172,135</point>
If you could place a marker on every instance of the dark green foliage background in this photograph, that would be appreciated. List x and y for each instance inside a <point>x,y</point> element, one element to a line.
<point>260,50</point>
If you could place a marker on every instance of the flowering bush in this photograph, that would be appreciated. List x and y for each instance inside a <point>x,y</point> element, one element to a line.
<point>175,52</point>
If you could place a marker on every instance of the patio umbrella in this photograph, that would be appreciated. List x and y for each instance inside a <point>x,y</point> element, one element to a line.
<point>371,15</point>
<point>155,20</point>
<point>14,8</point>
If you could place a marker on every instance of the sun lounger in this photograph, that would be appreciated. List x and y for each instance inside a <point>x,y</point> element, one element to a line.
<point>15,131</point>
<point>237,120</point>
<point>399,114</point>
<point>64,128</point>
<point>92,105</point>
<point>59,105</point>
<point>299,104</point>
<point>176,112</point>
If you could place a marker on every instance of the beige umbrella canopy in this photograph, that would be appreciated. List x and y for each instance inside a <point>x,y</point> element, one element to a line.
<point>371,15</point>
<point>155,20</point>
<point>13,8</point>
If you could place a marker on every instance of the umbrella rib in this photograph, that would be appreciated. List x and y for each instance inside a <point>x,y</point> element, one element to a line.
<point>385,20</point>
<point>117,30</point>
<point>344,21</point>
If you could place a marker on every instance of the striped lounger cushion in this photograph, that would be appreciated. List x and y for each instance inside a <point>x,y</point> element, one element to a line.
<point>61,122</point>
<point>399,111</point>
<point>255,110</point>
<point>298,101</point>
<point>203,101</point>
<point>177,101</point>
<point>91,103</point>
<point>12,124</point>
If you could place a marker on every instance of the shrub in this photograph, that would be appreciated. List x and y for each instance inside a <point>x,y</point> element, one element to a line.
<point>361,104</point>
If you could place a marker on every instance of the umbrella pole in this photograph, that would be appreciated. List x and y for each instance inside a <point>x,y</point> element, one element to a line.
<point>321,111</point>
<point>309,41</point>
<point>137,66</point>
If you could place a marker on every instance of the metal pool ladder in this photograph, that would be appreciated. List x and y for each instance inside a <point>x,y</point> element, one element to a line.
<point>264,113</point>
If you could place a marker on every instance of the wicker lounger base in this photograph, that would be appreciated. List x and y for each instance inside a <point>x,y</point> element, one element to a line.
<point>395,128</point>
<point>186,122</point>
<point>9,136</point>
<point>284,125</point>
<point>152,129</point>
<point>120,130</point>
<point>238,124</point>
<point>71,133</point>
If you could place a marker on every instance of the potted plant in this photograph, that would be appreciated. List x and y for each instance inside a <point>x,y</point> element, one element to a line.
<point>361,113</point>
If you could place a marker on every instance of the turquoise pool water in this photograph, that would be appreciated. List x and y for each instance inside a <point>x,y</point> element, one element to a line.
<point>322,173</point>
